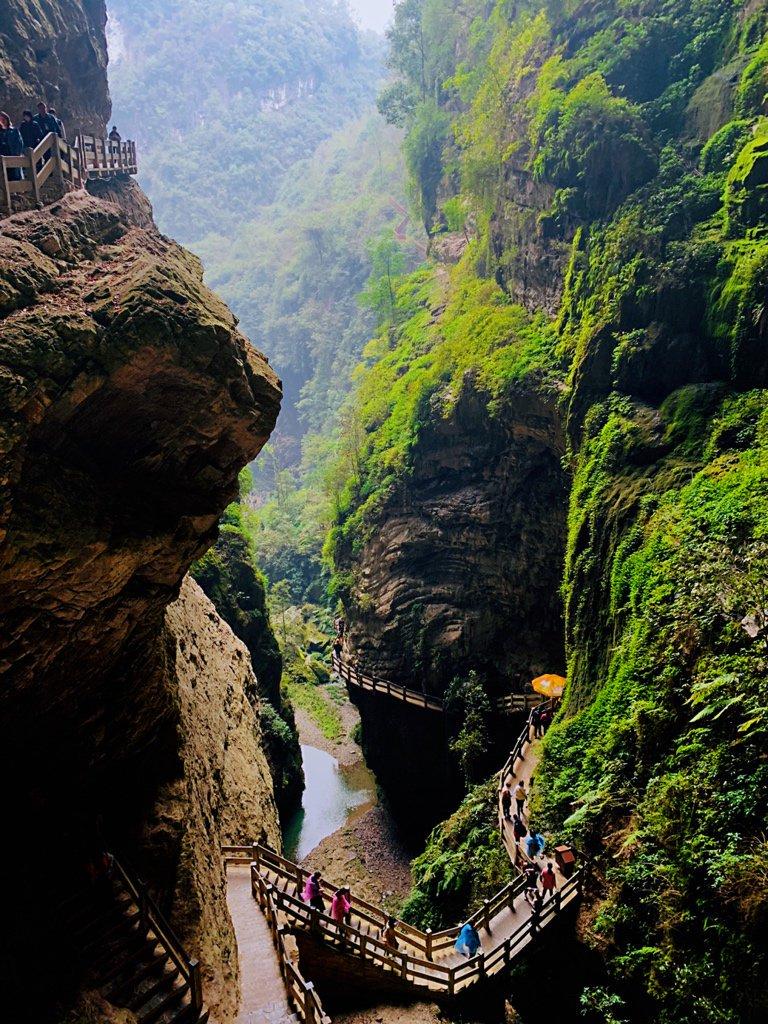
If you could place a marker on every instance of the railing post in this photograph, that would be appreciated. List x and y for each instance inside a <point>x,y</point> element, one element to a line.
<point>314,918</point>
<point>307,1008</point>
<point>558,901</point>
<point>299,880</point>
<point>32,172</point>
<point>6,186</point>
<point>195,985</point>
<point>58,170</point>
<point>507,952</point>
<point>363,943</point>
<point>512,898</point>
<point>481,963</point>
<point>428,951</point>
<point>487,915</point>
<point>452,981</point>
<point>403,965</point>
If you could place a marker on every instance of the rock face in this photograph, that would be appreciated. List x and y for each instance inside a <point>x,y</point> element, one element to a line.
<point>459,575</point>
<point>55,51</point>
<point>462,557</point>
<point>222,792</point>
<point>228,575</point>
<point>129,404</point>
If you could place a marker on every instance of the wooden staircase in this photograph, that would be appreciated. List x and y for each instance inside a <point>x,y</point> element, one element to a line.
<point>127,951</point>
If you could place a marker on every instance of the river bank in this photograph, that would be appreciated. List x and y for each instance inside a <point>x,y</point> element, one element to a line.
<point>355,839</point>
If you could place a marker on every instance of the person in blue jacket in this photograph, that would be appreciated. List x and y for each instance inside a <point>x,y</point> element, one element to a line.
<point>11,144</point>
<point>468,941</point>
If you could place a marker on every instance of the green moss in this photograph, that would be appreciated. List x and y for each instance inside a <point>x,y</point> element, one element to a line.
<point>753,87</point>
<point>746,191</point>
<point>723,147</point>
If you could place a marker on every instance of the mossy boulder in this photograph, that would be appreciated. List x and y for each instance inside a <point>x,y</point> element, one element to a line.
<point>746,193</point>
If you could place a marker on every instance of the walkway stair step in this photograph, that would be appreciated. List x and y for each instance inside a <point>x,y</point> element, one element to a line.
<point>119,975</point>
<point>164,983</point>
<point>153,1013</point>
<point>133,969</point>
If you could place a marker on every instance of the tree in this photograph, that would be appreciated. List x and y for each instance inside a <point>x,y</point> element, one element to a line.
<point>388,264</point>
<point>407,53</point>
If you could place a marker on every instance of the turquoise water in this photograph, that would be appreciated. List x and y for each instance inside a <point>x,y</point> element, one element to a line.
<point>331,796</point>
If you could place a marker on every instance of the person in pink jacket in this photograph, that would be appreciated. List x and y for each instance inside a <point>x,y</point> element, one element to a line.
<point>341,907</point>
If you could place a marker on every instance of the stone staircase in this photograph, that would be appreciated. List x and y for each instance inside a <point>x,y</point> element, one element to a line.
<point>125,954</point>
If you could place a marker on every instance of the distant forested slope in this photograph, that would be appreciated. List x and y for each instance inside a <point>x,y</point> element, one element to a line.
<point>224,98</point>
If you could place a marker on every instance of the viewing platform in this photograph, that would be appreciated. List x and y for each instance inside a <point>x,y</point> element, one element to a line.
<point>55,167</point>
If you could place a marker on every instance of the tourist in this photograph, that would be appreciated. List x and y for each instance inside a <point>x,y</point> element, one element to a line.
<point>506,801</point>
<point>11,144</point>
<point>468,941</point>
<point>536,905</point>
<point>535,843</point>
<point>521,795</point>
<point>114,135</point>
<point>59,124</point>
<point>341,907</point>
<point>536,722</point>
<point>30,131</point>
<point>531,879</point>
<point>46,121</point>
<point>519,831</point>
<point>545,718</point>
<point>313,894</point>
<point>389,935</point>
<point>548,881</point>
<point>338,644</point>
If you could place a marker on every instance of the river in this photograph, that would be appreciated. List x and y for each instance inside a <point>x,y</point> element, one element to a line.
<point>332,795</point>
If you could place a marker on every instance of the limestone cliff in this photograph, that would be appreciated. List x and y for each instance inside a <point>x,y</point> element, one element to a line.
<point>222,793</point>
<point>55,51</point>
<point>129,404</point>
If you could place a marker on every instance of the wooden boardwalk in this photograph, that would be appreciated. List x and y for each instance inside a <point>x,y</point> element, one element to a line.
<point>54,167</point>
<point>427,960</point>
<point>263,998</point>
<point>365,681</point>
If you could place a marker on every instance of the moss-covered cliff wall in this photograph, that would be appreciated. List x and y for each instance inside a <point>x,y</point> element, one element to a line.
<point>607,164</point>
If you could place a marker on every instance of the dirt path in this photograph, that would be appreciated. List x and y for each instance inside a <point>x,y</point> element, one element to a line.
<point>345,750</point>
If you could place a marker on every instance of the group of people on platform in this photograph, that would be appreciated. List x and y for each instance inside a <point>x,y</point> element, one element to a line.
<point>341,908</point>
<point>31,130</point>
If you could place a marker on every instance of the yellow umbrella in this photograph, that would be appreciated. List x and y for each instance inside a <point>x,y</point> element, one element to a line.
<point>549,685</point>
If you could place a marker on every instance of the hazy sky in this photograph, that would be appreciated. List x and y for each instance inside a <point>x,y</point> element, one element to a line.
<point>372,13</point>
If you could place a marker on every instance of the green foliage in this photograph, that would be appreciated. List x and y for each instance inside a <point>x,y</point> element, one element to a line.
<point>746,195</point>
<point>721,149</point>
<point>467,699</point>
<point>463,864</point>
<point>593,144</point>
<point>423,150</point>
<point>388,263</point>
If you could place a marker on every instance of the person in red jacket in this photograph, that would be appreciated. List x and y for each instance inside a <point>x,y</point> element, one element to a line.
<point>548,881</point>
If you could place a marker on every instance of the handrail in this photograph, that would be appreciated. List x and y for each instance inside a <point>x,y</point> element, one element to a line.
<point>70,164</point>
<point>375,684</point>
<point>153,919</point>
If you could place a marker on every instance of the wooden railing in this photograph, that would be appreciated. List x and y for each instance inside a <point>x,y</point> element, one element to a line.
<point>514,702</point>
<point>417,959</point>
<point>301,993</point>
<point>374,684</point>
<point>69,165</point>
<point>152,919</point>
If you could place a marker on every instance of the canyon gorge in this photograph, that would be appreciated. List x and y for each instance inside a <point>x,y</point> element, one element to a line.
<point>520,313</point>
